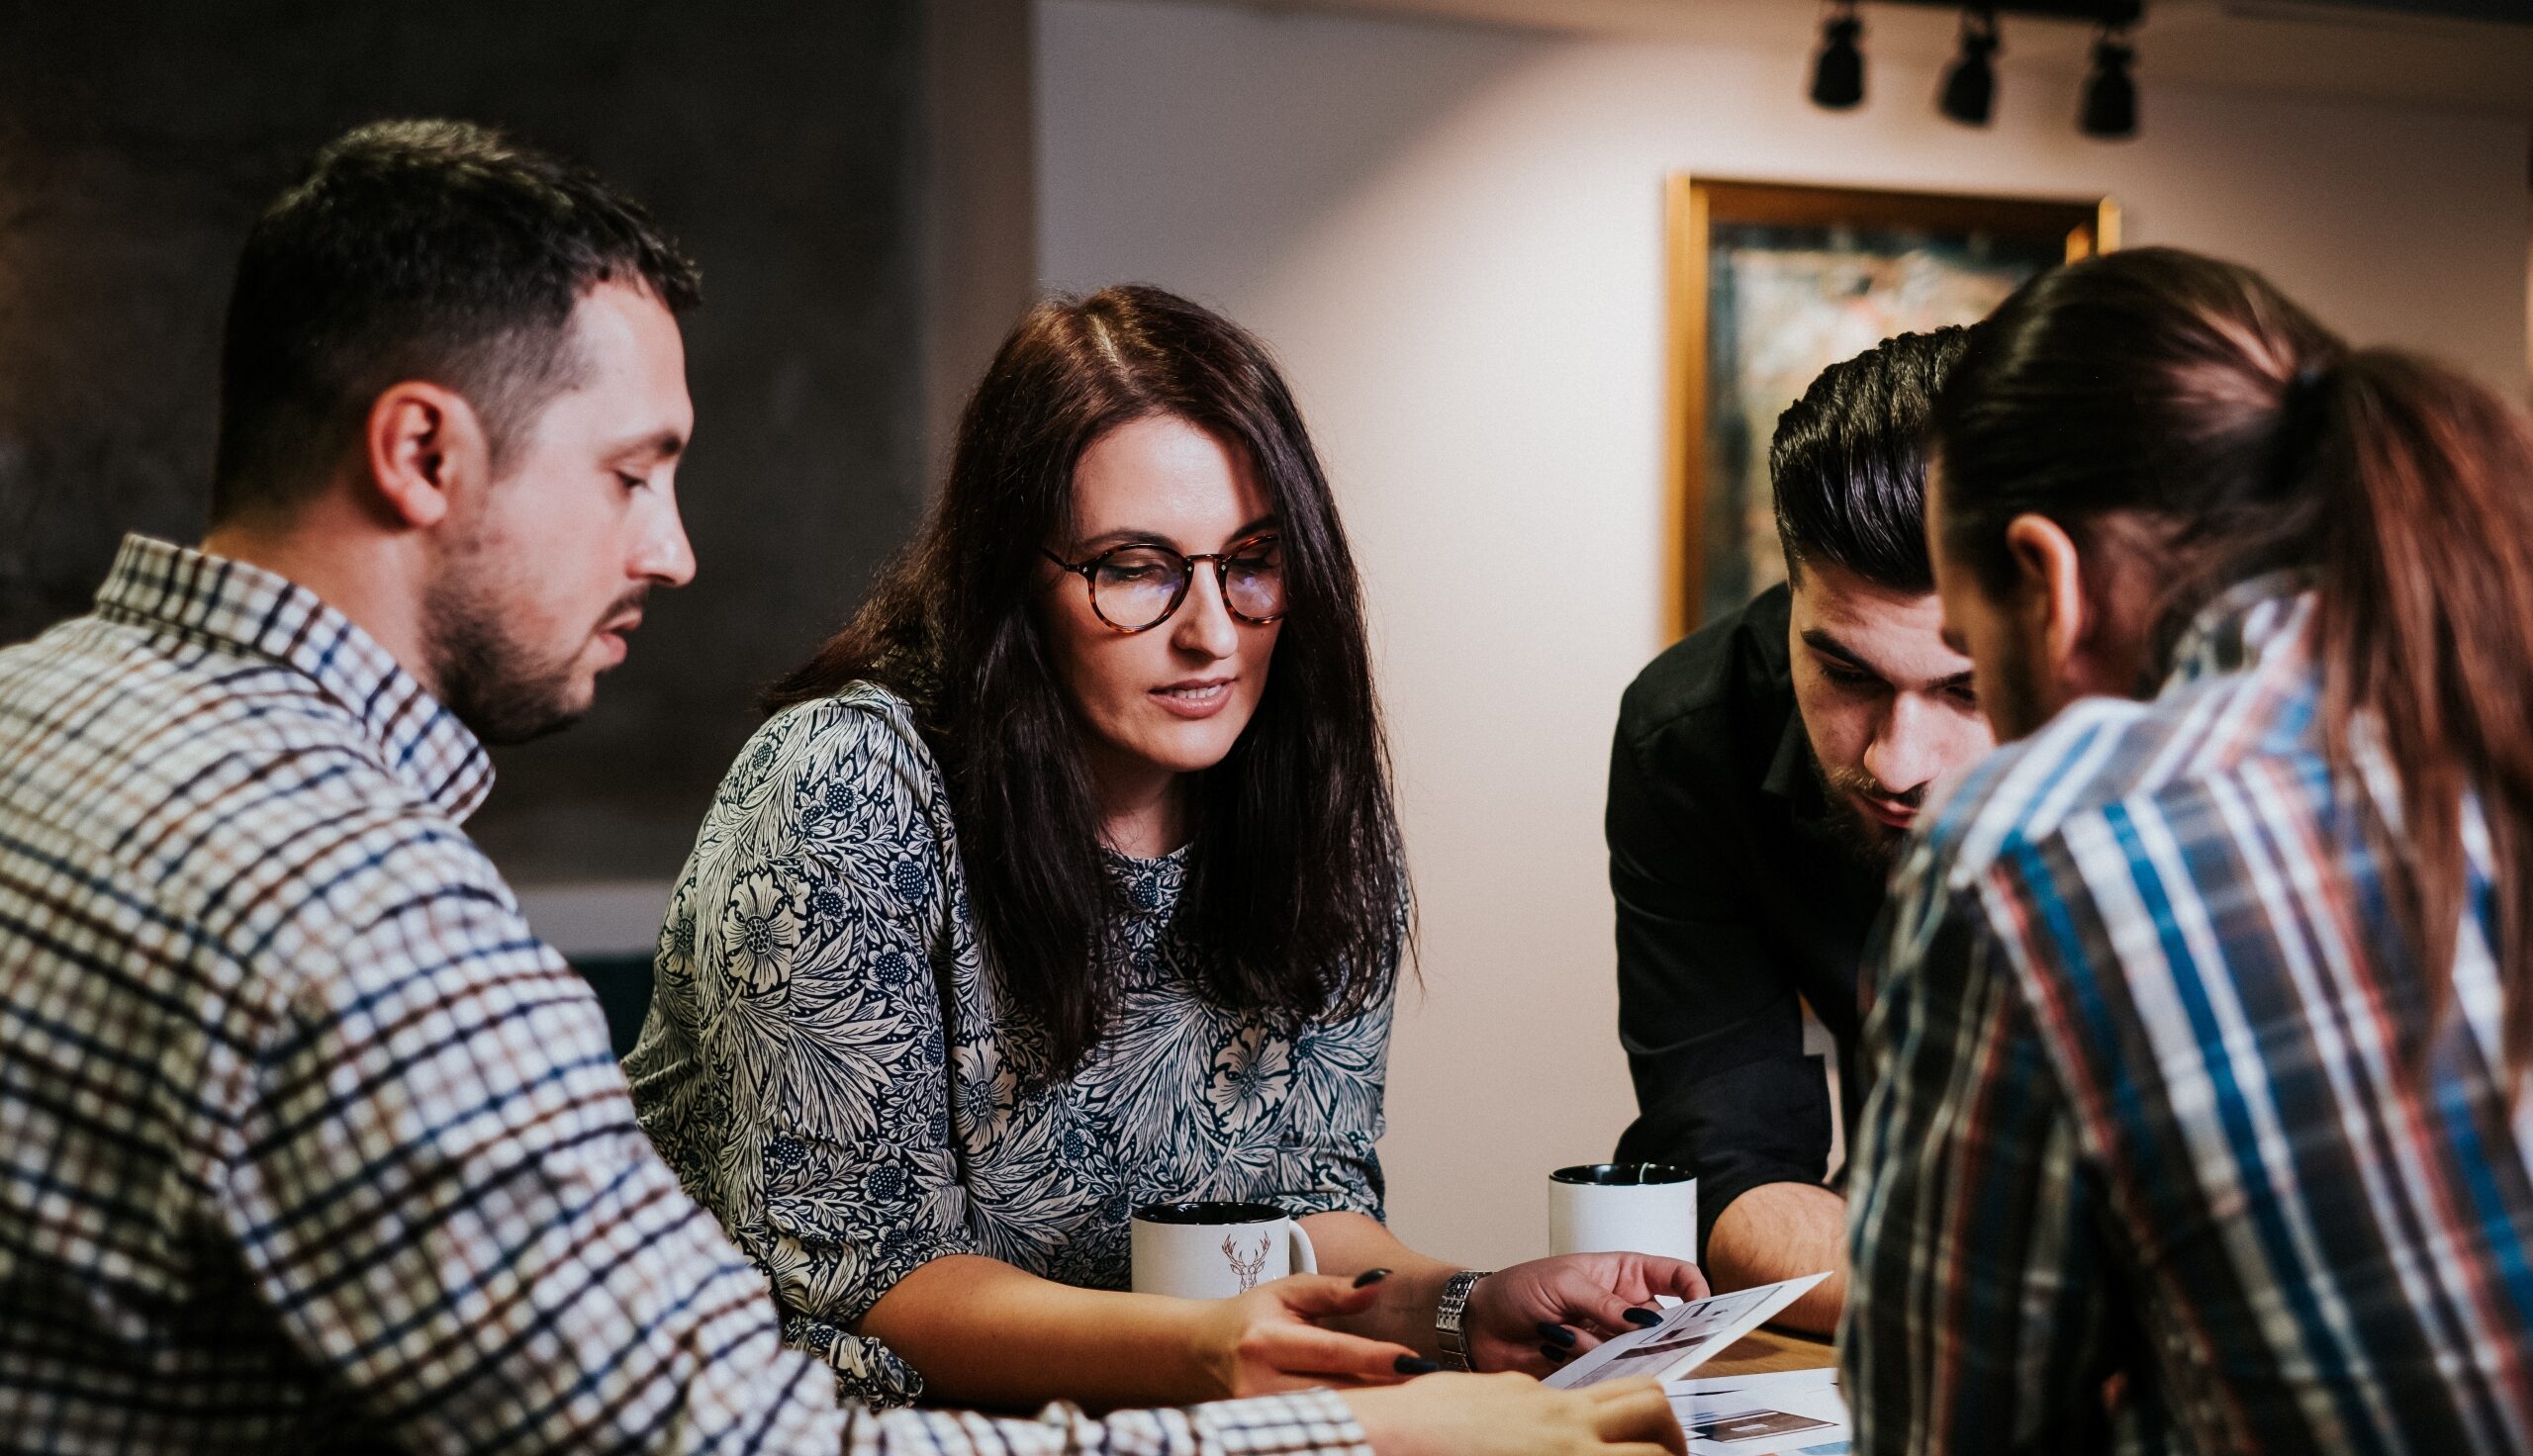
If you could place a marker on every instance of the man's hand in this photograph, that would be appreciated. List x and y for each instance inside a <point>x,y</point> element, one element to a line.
<point>1533,1316</point>
<point>1263,1342</point>
<point>1512,1415</point>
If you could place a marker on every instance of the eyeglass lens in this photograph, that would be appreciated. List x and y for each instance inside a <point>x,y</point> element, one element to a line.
<point>1135,587</point>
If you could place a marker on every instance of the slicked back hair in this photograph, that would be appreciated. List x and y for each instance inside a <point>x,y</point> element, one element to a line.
<point>1849,462</point>
<point>431,250</point>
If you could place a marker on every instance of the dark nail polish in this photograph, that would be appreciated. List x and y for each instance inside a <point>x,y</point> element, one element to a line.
<point>1557,1334</point>
<point>1370,1276</point>
<point>1555,1355</point>
<point>1410,1365</point>
<point>1645,1316</point>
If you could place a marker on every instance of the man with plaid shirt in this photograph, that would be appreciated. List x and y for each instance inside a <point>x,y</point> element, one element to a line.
<point>2202,1021</point>
<point>306,1140</point>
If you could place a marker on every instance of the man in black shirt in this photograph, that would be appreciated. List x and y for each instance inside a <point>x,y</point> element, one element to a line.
<point>1764,772</point>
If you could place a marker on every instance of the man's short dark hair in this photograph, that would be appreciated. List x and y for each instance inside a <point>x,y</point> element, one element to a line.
<point>433,251</point>
<point>1849,462</point>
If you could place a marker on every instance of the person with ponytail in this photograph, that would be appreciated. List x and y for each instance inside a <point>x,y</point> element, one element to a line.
<point>1066,880</point>
<point>2203,1012</point>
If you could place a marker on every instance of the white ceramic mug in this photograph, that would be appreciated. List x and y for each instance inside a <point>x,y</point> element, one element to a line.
<point>1214,1250</point>
<point>1623,1208</point>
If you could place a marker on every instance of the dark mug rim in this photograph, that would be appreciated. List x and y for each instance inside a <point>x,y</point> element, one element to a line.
<point>1620,1175</point>
<point>1209,1212</point>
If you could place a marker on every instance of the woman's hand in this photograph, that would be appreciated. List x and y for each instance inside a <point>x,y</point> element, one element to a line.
<point>1265,1341</point>
<point>1510,1415</point>
<point>1535,1316</point>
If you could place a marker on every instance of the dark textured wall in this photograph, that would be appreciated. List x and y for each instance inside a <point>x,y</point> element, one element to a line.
<point>139,139</point>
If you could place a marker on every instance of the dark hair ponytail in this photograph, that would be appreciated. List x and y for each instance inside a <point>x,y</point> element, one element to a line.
<point>2189,393</point>
<point>2427,636</point>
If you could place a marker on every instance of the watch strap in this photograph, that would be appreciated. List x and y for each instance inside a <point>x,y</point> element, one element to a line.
<point>1449,1313</point>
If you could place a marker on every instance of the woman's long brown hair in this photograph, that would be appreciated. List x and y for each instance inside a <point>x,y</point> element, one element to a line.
<point>1295,885</point>
<point>2191,392</point>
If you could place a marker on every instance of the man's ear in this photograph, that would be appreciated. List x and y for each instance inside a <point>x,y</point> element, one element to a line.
<point>422,444</point>
<point>2049,591</point>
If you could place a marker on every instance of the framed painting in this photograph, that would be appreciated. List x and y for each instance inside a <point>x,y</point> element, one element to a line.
<point>1771,283</point>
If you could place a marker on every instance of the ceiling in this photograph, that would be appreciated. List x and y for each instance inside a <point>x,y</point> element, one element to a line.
<point>2475,54</point>
<point>2507,11</point>
<point>2511,12</point>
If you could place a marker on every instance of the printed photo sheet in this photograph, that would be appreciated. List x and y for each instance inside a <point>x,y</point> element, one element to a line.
<point>1688,1334</point>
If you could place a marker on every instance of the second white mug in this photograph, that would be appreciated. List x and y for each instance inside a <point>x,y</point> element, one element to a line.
<point>1623,1208</point>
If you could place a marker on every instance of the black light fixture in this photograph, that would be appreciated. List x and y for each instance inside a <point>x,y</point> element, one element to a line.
<point>1970,85</point>
<point>2111,94</point>
<point>1837,72</point>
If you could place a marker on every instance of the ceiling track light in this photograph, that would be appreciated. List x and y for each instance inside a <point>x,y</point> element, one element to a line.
<point>1837,72</point>
<point>1970,85</point>
<point>2110,93</point>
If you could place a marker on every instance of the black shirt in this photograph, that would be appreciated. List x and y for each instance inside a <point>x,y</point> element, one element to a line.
<point>1735,895</point>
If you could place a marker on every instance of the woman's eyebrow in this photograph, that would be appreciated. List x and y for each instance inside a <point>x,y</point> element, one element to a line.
<point>1136,537</point>
<point>1127,536</point>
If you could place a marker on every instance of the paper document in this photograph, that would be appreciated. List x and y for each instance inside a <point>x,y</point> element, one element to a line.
<point>1688,1334</point>
<point>1764,1418</point>
<point>1772,1382</point>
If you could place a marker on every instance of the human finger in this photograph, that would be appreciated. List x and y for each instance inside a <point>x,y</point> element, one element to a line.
<point>1307,1349</point>
<point>1322,1296</point>
<point>1633,1411</point>
<point>1677,1277</point>
<point>1602,1312</point>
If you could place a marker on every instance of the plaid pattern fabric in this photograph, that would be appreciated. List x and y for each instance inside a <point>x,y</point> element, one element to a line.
<point>306,1140</point>
<point>2145,1023</point>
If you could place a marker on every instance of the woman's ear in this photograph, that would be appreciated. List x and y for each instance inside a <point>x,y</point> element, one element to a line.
<point>422,443</point>
<point>2049,594</point>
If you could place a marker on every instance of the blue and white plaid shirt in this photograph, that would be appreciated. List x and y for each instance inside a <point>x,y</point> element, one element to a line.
<point>306,1140</point>
<point>2144,1020</point>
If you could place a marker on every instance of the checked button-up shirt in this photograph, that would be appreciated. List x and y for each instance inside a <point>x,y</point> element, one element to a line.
<point>307,1143</point>
<point>2161,1093</point>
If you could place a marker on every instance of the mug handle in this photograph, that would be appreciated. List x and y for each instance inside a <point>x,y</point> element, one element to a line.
<point>1305,1257</point>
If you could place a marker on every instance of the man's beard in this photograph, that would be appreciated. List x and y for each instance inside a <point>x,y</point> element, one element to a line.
<point>1869,842</point>
<point>503,689</point>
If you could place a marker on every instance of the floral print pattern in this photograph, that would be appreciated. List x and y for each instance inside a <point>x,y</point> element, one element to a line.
<point>831,1067</point>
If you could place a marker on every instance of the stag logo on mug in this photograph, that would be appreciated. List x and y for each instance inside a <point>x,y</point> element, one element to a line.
<point>1248,1266</point>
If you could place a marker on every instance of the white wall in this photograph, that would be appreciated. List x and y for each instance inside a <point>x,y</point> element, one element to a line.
<point>1451,235</point>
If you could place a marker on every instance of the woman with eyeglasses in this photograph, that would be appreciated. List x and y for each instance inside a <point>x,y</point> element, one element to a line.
<point>1064,880</point>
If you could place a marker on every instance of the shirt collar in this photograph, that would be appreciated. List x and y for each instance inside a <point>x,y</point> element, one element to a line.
<point>2261,622</point>
<point>247,609</point>
<point>1790,772</point>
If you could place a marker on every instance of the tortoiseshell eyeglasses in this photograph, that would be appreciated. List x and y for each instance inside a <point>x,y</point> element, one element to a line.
<point>1137,586</point>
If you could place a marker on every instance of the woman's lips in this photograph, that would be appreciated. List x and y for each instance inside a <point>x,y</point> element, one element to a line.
<point>1195,699</point>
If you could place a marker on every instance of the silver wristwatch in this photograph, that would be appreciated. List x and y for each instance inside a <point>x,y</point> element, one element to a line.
<point>1457,1353</point>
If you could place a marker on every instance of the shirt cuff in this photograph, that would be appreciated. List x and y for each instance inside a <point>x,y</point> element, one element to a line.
<point>1316,1421</point>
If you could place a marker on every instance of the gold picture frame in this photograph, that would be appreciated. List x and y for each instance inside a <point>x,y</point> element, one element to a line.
<point>1988,242</point>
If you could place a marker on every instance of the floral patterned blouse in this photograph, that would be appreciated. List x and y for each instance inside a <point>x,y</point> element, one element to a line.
<point>831,1065</point>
